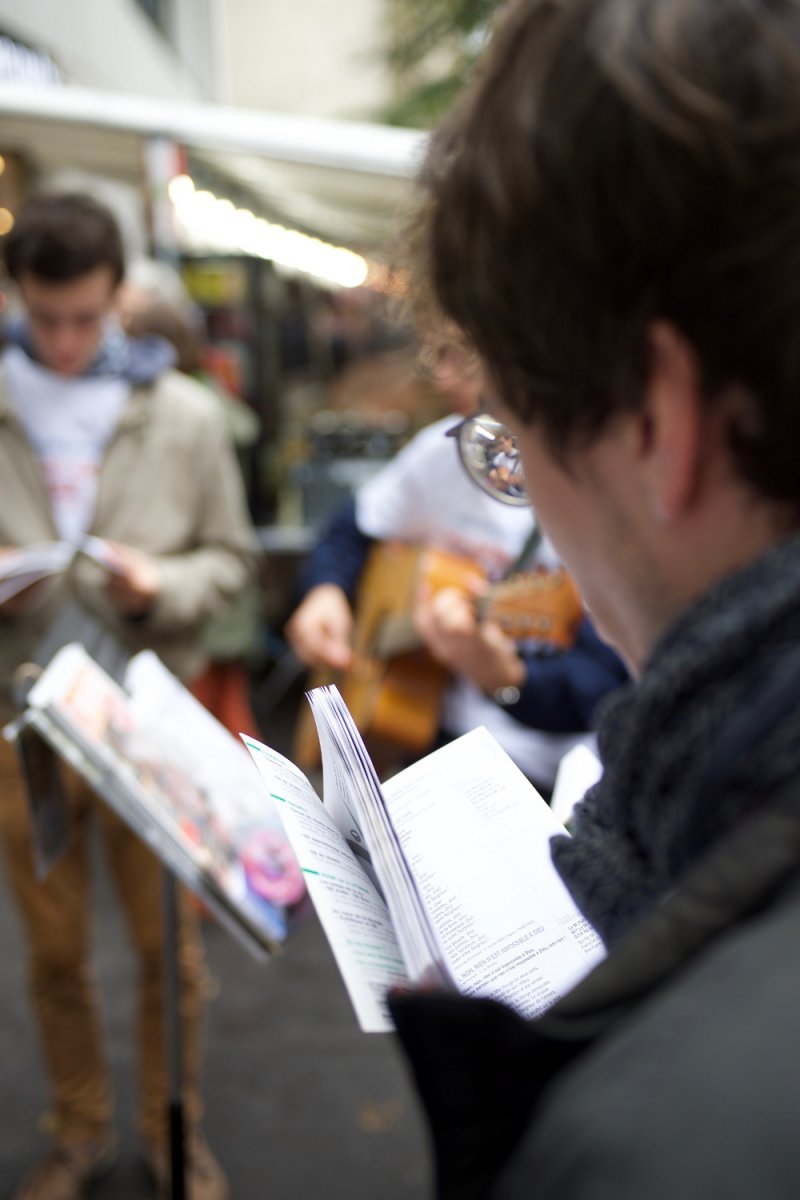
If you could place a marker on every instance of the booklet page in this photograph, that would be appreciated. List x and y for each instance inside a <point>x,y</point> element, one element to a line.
<point>351,911</point>
<point>25,565</point>
<point>19,568</point>
<point>351,786</point>
<point>205,778</point>
<point>477,838</point>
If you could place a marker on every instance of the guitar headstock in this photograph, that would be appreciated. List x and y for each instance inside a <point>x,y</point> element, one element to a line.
<point>540,604</point>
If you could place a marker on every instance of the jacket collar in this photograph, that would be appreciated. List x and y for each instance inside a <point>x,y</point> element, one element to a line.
<point>736,878</point>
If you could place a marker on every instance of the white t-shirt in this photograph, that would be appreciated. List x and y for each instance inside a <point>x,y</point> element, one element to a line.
<point>504,461</point>
<point>425,495</point>
<point>69,422</point>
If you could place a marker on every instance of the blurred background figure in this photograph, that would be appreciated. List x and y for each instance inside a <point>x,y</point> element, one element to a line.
<point>76,396</point>
<point>231,639</point>
<point>153,301</point>
<point>536,696</point>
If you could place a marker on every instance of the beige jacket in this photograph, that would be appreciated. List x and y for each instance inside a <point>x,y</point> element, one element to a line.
<point>169,485</point>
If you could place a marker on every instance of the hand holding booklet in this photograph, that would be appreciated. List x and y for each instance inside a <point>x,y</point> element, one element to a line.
<point>20,567</point>
<point>442,875</point>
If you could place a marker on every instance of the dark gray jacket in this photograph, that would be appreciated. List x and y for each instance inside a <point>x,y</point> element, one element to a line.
<point>672,1072</point>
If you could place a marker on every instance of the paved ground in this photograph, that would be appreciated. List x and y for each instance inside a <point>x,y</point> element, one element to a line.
<point>299,1101</point>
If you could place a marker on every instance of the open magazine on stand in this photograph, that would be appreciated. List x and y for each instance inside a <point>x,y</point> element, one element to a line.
<point>179,779</point>
<point>442,875</point>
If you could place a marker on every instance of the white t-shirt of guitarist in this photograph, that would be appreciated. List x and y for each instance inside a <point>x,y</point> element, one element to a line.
<point>425,496</point>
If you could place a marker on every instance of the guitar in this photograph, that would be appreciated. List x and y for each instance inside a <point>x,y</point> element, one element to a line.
<point>394,687</point>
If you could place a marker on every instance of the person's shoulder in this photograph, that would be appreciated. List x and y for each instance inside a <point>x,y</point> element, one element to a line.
<point>693,1094</point>
<point>178,395</point>
<point>435,433</point>
<point>423,460</point>
<point>431,444</point>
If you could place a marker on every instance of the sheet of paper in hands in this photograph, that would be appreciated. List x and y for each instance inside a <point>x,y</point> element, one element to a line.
<point>440,876</point>
<point>24,565</point>
<point>19,568</point>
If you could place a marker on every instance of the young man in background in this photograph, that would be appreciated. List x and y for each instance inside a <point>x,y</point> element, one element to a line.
<point>537,697</point>
<point>98,435</point>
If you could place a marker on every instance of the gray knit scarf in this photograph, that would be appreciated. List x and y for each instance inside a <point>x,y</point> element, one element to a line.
<point>704,737</point>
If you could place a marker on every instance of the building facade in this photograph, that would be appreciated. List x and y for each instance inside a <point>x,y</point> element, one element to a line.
<point>317,57</point>
<point>150,47</point>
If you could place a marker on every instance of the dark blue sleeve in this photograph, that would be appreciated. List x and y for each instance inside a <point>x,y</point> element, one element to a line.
<point>563,688</point>
<point>339,555</point>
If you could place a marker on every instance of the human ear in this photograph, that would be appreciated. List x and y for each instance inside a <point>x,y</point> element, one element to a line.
<point>672,423</point>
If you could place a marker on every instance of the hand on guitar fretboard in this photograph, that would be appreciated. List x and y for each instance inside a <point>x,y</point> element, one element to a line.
<point>393,686</point>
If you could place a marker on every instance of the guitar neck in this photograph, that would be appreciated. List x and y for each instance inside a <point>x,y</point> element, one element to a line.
<point>544,605</point>
<point>541,605</point>
<point>395,635</point>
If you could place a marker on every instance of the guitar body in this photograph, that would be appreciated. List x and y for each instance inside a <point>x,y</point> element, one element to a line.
<point>396,702</point>
<point>394,688</point>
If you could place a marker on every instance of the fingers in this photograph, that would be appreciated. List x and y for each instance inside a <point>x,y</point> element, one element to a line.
<point>21,601</point>
<point>442,616</point>
<point>479,651</point>
<point>134,585</point>
<point>319,645</point>
<point>320,630</point>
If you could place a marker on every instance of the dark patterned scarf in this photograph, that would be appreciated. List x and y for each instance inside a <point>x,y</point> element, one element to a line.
<point>139,360</point>
<point>710,730</point>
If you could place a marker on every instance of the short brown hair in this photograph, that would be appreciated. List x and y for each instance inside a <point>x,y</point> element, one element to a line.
<point>61,237</point>
<point>616,162</point>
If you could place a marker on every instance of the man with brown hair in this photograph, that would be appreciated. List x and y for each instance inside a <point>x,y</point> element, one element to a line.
<point>98,435</point>
<point>613,218</point>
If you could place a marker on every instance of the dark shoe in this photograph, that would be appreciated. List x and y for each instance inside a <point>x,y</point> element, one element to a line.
<point>205,1179</point>
<point>68,1170</point>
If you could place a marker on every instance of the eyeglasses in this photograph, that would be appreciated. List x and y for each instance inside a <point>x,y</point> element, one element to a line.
<point>491,458</point>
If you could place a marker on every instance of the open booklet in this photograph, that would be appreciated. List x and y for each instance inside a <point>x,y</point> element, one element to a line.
<point>178,778</point>
<point>25,565</point>
<point>440,876</point>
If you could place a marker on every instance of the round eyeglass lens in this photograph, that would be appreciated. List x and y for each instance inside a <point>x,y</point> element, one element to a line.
<point>492,459</point>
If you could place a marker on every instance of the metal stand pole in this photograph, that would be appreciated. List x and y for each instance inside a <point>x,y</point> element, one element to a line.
<point>172,1031</point>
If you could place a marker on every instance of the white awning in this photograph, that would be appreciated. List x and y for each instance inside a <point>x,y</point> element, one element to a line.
<point>346,182</point>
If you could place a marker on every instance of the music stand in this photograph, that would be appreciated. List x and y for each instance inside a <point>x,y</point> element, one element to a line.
<point>46,739</point>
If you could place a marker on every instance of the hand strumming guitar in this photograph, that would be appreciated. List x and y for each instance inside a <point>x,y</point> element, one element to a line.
<point>448,624</point>
<point>320,629</point>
